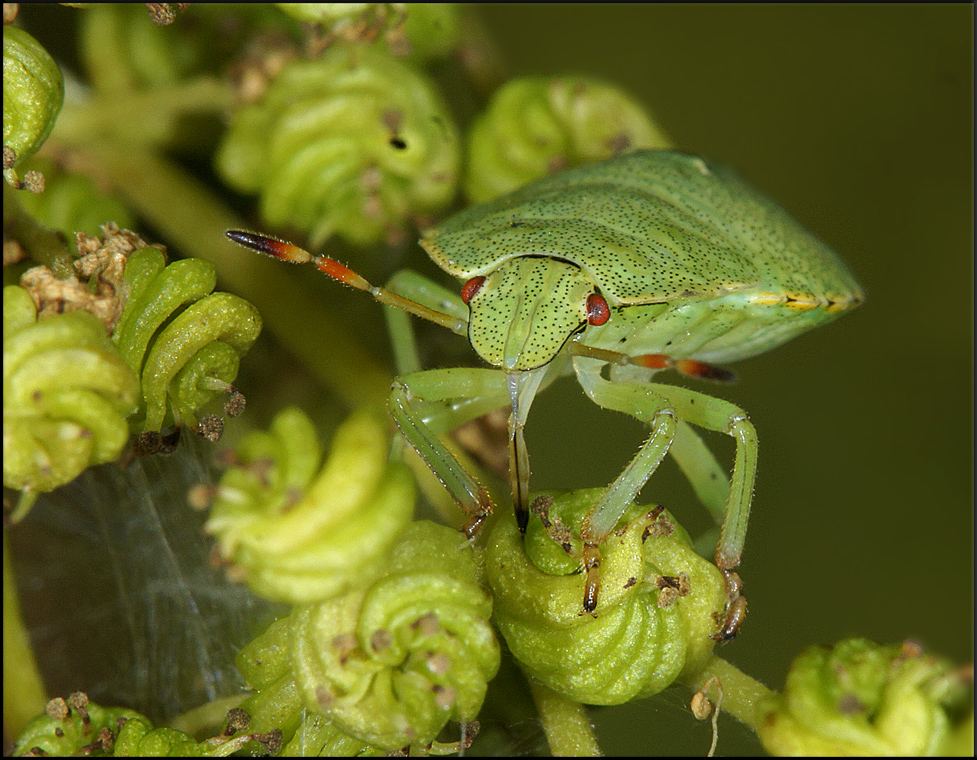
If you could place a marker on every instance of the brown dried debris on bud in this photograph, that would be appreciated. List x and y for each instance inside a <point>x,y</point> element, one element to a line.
<point>147,443</point>
<point>98,286</point>
<point>57,709</point>
<point>163,14</point>
<point>210,428</point>
<point>666,598</point>
<point>381,640</point>
<point>104,742</point>
<point>662,527</point>
<point>33,181</point>
<point>444,696</point>
<point>344,644</point>
<point>79,703</point>
<point>555,528</point>
<point>679,584</point>
<point>438,663</point>
<point>427,624</point>
<point>272,740</point>
<point>238,719</point>
<point>234,406</point>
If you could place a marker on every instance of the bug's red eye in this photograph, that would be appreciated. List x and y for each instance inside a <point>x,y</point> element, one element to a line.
<point>470,288</point>
<point>598,312</point>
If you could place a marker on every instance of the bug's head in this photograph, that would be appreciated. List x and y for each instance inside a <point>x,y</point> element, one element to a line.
<point>523,312</point>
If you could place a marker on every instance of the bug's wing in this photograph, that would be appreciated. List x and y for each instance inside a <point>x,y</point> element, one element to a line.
<point>649,226</point>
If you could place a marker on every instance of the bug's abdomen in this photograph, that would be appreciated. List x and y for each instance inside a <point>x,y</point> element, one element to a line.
<point>718,330</point>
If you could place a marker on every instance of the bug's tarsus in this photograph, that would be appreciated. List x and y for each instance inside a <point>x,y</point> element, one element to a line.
<point>735,612</point>
<point>591,569</point>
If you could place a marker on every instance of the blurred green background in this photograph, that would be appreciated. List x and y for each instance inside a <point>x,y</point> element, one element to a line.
<point>859,120</point>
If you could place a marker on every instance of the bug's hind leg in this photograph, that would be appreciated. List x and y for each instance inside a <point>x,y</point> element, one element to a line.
<point>719,415</point>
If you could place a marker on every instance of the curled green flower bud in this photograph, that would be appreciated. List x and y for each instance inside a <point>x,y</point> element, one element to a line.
<point>355,143</point>
<point>75,726</point>
<point>417,30</point>
<point>659,602</point>
<point>317,737</point>
<point>535,126</point>
<point>862,698</point>
<point>297,530</point>
<point>140,739</point>
<point>351,22</point>
<point>391,663</point>
<point>184,341</point>
<point>430,30</point>
<point>126,48</point>
<point>66,395</point>
<point>33,91</point>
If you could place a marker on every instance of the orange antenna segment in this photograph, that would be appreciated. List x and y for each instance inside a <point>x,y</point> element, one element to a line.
<point>292,253</point>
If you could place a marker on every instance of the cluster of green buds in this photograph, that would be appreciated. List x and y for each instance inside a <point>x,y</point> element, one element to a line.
<point>659,604</point>
<point>356,143</point>
<point>76,726</point>
<point>536,126</point>
<point>298,530</point>
<point>33,92</point>
<point>388,663</point>
<point>863,698</point>
<point>184,341</point>
<point>127,48</point>
<point>417,31</point>
<point>122,344</point>
<point>67,394</point>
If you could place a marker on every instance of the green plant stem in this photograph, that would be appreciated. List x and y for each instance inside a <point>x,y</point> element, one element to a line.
<point>191,218</point>
<point>44,246</point>
<point>741,693</point>
<point>24,695</point>
<point>565,722</point>
<point>142,117</point>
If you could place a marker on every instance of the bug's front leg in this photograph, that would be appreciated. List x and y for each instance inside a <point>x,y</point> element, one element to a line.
<point>643,403</point>
<point>426,404</point>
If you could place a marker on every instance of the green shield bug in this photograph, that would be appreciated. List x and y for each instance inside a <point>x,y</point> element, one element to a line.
<point>613,271</point>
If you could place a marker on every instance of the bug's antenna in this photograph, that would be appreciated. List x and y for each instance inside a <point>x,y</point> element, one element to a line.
<point>292,253</point>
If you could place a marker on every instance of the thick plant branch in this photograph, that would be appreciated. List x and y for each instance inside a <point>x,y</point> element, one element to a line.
<point>741,693</point>
<point>565,722</point>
